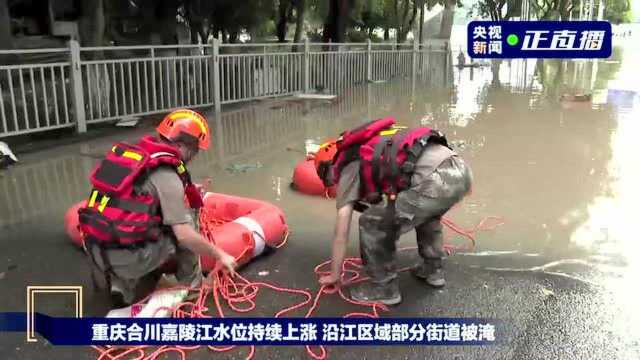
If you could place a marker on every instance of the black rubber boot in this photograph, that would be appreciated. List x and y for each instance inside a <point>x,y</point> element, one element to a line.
<point>431,272</point>
<point>117,299</point>
<point>388,294</point>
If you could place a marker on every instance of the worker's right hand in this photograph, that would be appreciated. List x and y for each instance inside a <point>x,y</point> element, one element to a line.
<point>226,262</point>
<point>204,188</point>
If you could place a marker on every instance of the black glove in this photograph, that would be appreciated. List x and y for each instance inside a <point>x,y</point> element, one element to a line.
<point>360,206</point>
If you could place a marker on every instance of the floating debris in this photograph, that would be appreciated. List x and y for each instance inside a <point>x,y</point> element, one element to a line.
<point>263,273</point>
<point>316,96</point>
<point>242,168</point>
<point>575,97</point>
<point>7,157</point>
<point>546,292</point>
<point>291,148</point>
<point>128,122</point>
<point>311,147</point>
<point>459,144</point>
<point>2,275</point>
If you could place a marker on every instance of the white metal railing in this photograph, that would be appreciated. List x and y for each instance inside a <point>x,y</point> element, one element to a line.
<point>34,97</point>
<point>240,134</point>
<point>77,86</point>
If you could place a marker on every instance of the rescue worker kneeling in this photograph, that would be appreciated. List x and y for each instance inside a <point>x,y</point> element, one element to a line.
<point>400,179</point>
<point>136,218</point>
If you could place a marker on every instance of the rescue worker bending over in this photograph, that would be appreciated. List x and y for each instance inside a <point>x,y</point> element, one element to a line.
<point>420,178</point>
<point>136,218</point>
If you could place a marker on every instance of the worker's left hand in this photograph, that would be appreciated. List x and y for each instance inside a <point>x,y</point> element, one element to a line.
<point>328,280</point>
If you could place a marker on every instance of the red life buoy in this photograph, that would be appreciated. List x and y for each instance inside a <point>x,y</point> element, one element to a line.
<point>245,226</point>
<point>72,225</point>
<point>306,180</point>
<point>249,226</point>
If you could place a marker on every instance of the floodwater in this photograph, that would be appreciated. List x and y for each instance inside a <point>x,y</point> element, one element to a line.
<point>562,269</point>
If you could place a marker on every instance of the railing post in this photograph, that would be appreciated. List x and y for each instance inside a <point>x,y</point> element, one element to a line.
<point>210,73</point>
<point>369,103</point>
<point>414,67</point>
<point>369,77</point>
<point>446,63</point>
<point>77,94</point>
<point>216,77</point>
<point>428,64</point>
<point>307,74</point>
<point>154,88</point>
<point>414,60</point>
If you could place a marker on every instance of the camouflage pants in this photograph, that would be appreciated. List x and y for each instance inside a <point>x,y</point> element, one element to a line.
<point>419,207</point>
<point>135,272</point>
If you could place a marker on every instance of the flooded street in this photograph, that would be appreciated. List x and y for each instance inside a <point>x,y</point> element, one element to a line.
<point>561,272</point>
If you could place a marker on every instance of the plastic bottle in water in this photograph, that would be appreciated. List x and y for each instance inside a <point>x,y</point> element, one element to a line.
<point>310,146</point>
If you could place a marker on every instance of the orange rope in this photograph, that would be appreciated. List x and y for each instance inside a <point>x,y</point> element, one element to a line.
<point>240,295</point>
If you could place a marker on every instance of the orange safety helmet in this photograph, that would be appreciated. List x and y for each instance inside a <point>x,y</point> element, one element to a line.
<point>323,160</point>
<point>188,122</point>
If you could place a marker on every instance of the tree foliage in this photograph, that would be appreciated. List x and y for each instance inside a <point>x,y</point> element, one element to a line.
<point>161,21</point>
<point>169,21</point>
<point>497,10</point>
<point>404,14</point>
<point>616,11</point>
<point>229,17</point>
<point>554,9</point>
<point>331,18</point>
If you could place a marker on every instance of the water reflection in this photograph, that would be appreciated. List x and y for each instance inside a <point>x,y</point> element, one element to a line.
<point>32,190</point>
<point>471,91</point>
<point>609,231</point>
<point>610,225</point>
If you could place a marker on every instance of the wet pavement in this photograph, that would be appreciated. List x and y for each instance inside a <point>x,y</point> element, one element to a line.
<point>561,272</point>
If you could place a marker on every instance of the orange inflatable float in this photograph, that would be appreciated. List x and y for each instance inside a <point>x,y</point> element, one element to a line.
<point>240,226</point>
<point>71,224</point>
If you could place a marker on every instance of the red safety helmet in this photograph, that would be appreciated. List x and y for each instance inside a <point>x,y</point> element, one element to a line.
<point>323,160</point>
<point>185,121</point>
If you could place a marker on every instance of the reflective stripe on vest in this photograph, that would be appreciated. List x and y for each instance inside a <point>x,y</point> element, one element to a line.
<point>132,155</point>
<point>392,131</point>
<point>103,201</point>
<point>92,200</point>
<point>125,205</point>
<point>128,154</point>
<point>161,153</point>
<point>181,169</point>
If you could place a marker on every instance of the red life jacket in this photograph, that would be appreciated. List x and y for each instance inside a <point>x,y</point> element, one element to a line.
<point>118,213</point>
<point>387,155</point>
